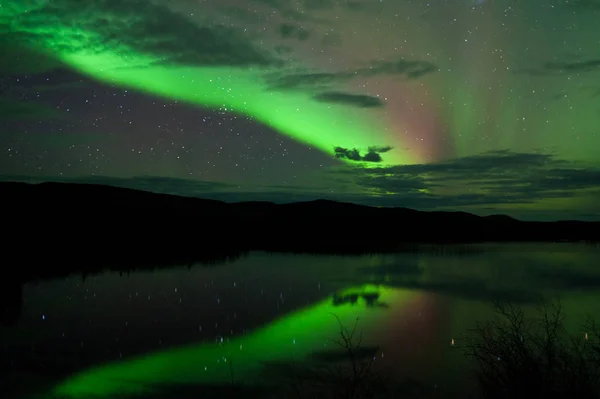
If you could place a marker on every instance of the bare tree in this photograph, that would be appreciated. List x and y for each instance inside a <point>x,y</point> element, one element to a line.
<point>520,357</point>
<point>353,377</point>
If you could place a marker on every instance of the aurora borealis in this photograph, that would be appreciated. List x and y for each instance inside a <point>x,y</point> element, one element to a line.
<point>487,106</point>
<point>292,338</point>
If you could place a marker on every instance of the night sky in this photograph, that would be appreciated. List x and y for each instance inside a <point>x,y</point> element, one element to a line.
<point>488,106</point>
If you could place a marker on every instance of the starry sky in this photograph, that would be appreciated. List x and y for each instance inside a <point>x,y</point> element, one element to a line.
<point>487,106</point>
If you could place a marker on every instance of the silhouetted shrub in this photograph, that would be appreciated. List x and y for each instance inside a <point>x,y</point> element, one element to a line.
<point>534,357</point>
<point>344,372</point>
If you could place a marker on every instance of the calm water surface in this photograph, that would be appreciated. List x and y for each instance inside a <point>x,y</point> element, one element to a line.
<point>114,335</point>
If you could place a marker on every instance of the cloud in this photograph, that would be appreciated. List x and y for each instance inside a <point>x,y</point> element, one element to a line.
<point>406,68</point>
<point>130,28</point>
<point>563,68</point>
<point>355,100</point>
<point>492,178</point>
<point>288,31</point>
<point>573,67</point>
<point>14,109</point>
<point>372,155</point>
<point>411,69</point>
<point>381,149</point>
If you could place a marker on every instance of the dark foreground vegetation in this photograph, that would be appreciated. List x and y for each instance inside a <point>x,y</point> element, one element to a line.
<point>512,357</point>
<point>523,357</point>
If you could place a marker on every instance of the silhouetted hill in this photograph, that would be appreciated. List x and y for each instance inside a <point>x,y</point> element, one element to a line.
<point>115,223</point>
<point>502,218</point>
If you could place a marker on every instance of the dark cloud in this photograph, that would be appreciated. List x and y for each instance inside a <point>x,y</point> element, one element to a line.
<point>498,177</point>
<point>353,298</point>
<point>128,28</point>
<point>345,153</point>
<point>291,31</point>
<point>563,68</point>
<point>574,67</point>
<point>380,150</point>
<point>306,80</point>
<point>405,68</point>
<point>355,100</point>
<point>372,154</point>
<point>411,69</point>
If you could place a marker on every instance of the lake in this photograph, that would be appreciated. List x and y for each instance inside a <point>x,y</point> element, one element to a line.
<point>174,332</point>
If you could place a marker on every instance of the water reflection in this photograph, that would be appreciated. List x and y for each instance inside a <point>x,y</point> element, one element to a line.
<point>520,273</point>
<point>153,332</point>
<point>370,299</point>
<point>295,337</point>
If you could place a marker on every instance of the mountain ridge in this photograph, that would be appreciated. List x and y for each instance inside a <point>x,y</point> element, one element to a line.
<point>89,208</point>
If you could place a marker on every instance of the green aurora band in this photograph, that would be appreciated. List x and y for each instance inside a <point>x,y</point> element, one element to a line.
<point>477,100</point>
<point>291,338</point>
<point>242,90</point>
